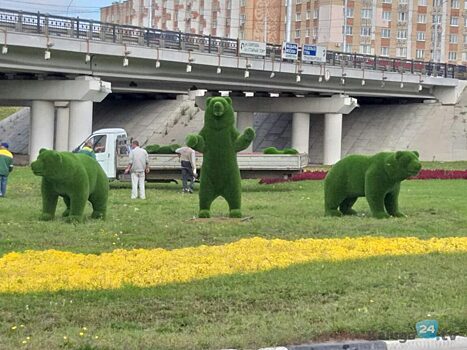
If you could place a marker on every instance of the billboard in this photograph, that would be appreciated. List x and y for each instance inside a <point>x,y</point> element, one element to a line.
<point>289,51</point>
<point>313,53</point>
<point>254,48</point>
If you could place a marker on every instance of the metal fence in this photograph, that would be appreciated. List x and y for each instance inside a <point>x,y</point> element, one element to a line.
<point>75,27</point>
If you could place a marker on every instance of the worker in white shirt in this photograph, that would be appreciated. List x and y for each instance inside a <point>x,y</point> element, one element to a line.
<point>138,167</point>
<point>188,162</point>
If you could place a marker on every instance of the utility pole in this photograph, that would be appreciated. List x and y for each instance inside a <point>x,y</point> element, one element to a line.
<point>344,34</point>
<point>265,29</point>
<point>150,14</point>
<point>288,25</point>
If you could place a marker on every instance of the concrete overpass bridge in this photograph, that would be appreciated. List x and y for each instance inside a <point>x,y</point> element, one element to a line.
<point>60,66</point>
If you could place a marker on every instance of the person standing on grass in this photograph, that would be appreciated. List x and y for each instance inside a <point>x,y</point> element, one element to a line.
<point>138,166</point>
<point>6,166</point>
<point>188,162</point>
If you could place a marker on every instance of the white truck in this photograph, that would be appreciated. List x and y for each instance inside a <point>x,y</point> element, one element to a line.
<point>111,147</point>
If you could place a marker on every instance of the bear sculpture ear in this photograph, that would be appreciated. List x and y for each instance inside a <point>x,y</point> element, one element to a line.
<point>417,154</point>
<point>228,99</point>
<point>399,155</point>
<point>208,101</point>
<point>42,150</point>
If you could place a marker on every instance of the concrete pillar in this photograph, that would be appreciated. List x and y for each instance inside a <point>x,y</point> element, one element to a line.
<point>41,133</point>
<point>301,132</point>
<point>332,138</point>
<point>245,120</point>
<point>80,123</point>
<point>61,129</point>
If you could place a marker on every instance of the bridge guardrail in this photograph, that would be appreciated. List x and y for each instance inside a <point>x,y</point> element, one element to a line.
<point>76,27</point>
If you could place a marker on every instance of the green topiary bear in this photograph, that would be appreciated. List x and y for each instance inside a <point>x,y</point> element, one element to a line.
<point>376,177</point>
<point>219,141</point>
<point>74,176</point>
<point>164,149</point>
<point>274,150</point>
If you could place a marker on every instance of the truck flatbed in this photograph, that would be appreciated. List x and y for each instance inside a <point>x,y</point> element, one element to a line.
<point>252,165</point>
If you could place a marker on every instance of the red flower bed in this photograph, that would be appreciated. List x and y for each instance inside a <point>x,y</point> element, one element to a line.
<point>426,174</point>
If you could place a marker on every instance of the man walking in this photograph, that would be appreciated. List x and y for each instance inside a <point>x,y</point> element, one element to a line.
<point>138,166</point>
<point>6,166</point>
<point>188,162</point>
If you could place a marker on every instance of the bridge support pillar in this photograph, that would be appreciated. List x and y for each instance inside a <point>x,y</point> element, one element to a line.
<point>41,133</point>
<point>62,128</point>
<point>80,123</point>
<point>245,120</point>
<point>301,132</point>
<point>332,138</point>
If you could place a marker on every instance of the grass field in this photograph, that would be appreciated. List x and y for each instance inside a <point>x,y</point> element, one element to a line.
<point>7,111</point>
<point>374,298</point>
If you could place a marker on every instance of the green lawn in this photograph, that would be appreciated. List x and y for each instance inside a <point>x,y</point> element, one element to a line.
<point>374,298</point>
<point>7,111</point>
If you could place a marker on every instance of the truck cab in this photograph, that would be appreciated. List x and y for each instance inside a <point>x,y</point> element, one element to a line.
<point>107,145</point>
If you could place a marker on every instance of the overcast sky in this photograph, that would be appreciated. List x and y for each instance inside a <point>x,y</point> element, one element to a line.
<point>88,9</point>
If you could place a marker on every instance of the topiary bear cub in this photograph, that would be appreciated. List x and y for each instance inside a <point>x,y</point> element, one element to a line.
<point>74,176</point>
<point>219,141</point>
<point>376,177</point>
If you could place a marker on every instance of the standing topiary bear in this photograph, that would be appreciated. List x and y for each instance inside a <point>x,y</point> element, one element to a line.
<point>74,176</point>
<point>377,178</point>
<point>219,141</point>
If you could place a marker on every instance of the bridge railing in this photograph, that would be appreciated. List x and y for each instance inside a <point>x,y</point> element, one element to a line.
<point>75,27</point>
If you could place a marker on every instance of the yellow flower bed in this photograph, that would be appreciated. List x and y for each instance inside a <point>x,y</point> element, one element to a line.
<point>53,270</point>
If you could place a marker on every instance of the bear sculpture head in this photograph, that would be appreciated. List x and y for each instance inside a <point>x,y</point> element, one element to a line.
<point>403,165</point>
<point>48,163</point>
<point>219,113</point>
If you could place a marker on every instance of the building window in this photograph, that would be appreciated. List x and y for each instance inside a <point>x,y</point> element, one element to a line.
<point>365,49</point>
<point>455,21</point>
<point>420,36</point>
<point>384,51</point>
<point>452,55</point>
<point>347,48</point>
<point>419,54</point>
<point>455,4</point>
<point>436,19</point>
<point>298,1</point>
<point>315,13</point>
<point>465,4</point>
<point>349,12</point>
<point>298,17</point>
<point>242,3</point>
<point>348,30</point>
<point>366,13</point>
<point>401,34</point>
<point>387,1</point>
<point>464,56</point>
<point>403,1</point>
<point>421,18</point>
<point>297,33</point>
<point>465,39</point>
<point>308,33</point>
<point>386,15</point>
<point>365,31</point>
<point>402,16</point>
<point>422,3</point>
<point>308,15</point>
<point>401,52</point>
<point>385,33</point>
<point>453,39</point>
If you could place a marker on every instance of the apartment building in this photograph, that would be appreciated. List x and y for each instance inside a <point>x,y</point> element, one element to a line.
<point>206,17</point>
<point>394,28</point>
<point>414,29</point>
